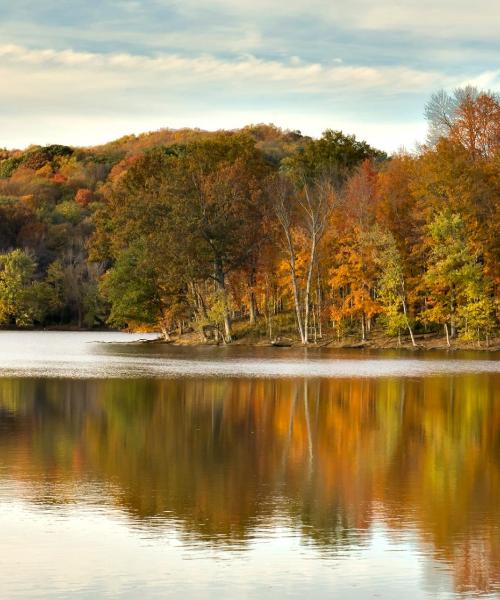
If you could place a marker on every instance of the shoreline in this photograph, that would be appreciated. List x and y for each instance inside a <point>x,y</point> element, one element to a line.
<point>378,341</point>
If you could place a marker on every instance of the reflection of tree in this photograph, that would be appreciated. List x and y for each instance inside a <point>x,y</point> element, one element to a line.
<point>221,457</point>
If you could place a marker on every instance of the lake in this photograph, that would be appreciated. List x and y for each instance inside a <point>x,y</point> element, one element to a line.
<point>132,470</point>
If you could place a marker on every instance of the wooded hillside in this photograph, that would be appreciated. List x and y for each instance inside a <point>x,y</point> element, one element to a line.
<point>194,230</point>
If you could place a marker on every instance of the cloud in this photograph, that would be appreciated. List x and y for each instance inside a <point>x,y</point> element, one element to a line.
<point>443,18</point>
<point>88,97</point>
<point>83,70</point>
<point>362,28</point>
<point>123,69</point>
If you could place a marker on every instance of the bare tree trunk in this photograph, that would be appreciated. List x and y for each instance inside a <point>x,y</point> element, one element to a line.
<point>252,308</point>
<point>447,334</point>
<point>252,316</point>
<point>221,286</point>
<point>319,298</point>
<point>164,332</point>
<point>283,194</point>
<point>410,330</point>
<point>314,208</point>
<point>315,326</point>
<point>312,260</point>
<point>453,331</point>
<point>296,301</point>
<point>316,205</point>
<point>199,302</point>
<point>295,287</point>
<point>267,309</point>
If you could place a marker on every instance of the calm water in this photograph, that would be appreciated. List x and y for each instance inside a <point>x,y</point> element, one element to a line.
<point>137,471</point>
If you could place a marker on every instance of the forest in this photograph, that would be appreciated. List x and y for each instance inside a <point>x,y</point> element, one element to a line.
<point>261,232</point>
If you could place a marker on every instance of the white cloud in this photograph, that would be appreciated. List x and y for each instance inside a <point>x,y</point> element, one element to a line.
<point>18,61</point>
<point>442,18</point>
<point>88,97</point>
<point>486,80</point>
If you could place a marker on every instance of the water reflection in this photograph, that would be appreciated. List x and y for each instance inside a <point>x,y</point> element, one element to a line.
<point>225,461</point>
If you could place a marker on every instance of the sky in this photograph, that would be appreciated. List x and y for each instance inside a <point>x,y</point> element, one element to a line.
<point>83,72</point>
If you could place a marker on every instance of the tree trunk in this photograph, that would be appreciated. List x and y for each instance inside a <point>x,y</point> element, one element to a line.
<point>295,288</point>
<point>410,330</point>
<point>221,286</point>
<point>320,300</point>
<point>315,326</point>
<point>453,331</point>
<point>447,334</point>
<point>164,332</point>
<point>312,260</point>
<point>267,308</point>
<point>199,302</point>
<point>297,305</point>
<point>228,336</point>
<point>252,309</point>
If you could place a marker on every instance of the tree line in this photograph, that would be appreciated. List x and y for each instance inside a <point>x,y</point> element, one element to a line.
<point>285,234</point>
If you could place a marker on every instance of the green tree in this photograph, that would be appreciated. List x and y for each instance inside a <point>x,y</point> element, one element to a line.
<point>19,293</point>
<point>392,287</point>
<point>139,290</point>
<point>334,157</point>
<point>458,294</point>
<point>477,313</point>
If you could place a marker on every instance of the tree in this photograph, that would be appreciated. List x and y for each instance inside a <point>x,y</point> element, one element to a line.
<point>179,229</point>
<point>83,197</point>
<point>19,293</point>
<point>392,288</point>
<point>303,202</point>
<point>458,295</point>
<point>394,201</point>
<point>353,278</point>
<point>221,179</point>
<point>444,178</point>
<point>477,312</point>
<point>468,116</point>
<point>281,191</point>
<point>302,215</point>
<point>353,269</point>
<point>196,210</point>
<point>134,291</point>
<point>334,157</point>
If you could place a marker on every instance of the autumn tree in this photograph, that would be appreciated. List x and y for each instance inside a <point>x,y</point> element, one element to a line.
<point>353,250</point>
<point>303,200</point>
<point>468,116</point>
<point>392,291</point>
<point>196,211</point>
